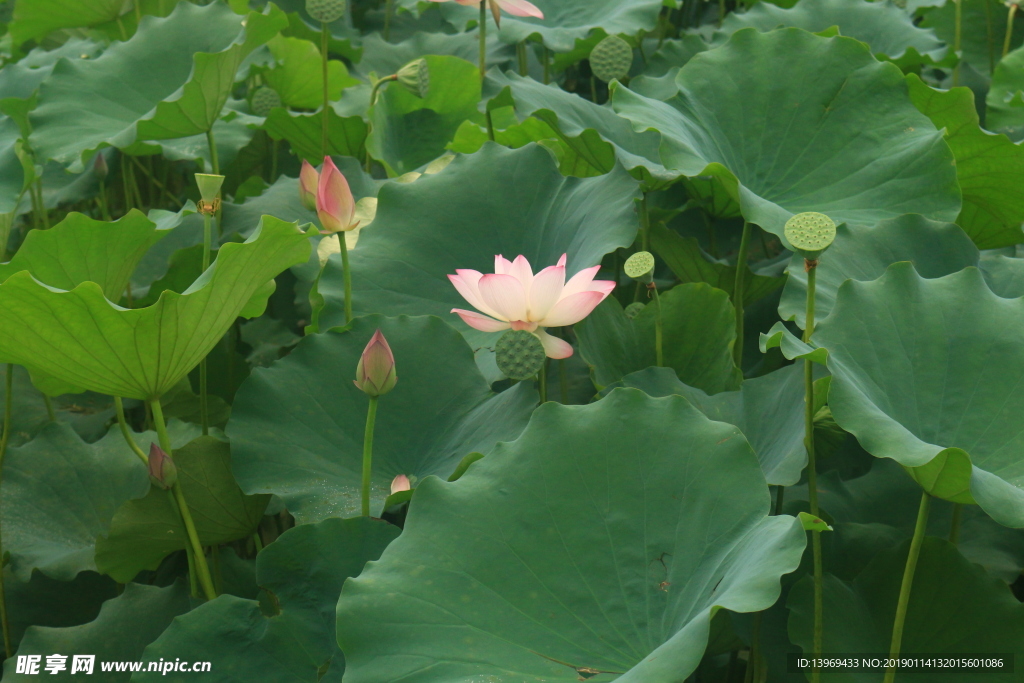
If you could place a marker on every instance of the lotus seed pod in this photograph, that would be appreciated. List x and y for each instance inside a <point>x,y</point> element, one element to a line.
<point>415,77</point>
<point>810,233</point>
<point>325,11</point>
<point>640,266</point>
<point>611,58</point>
<point>265,99</point>
<point>520,354</point>
<point>209,186</point>
<point>633,310</point>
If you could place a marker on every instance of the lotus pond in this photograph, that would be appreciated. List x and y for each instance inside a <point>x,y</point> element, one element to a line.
<point>496,341</point>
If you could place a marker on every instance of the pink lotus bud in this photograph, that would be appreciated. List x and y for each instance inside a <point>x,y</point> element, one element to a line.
<point>400,483</point>
<point>375,373</point>
<point>334,201</point>
<point>308,180</point>
<point>162,471</point>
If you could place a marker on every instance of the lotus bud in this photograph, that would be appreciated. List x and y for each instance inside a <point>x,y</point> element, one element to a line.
<point>400,483</point>
<point>375,373</point>
<point>415,77</point>
<point>334,201</point>
<point>519,354</point>
<point>209,188</point>
<point>308,181</point>
<point>162,471</point>
<point>100,168</point>
<point>325,11</point>
<point>640,266</point>
<point>810,233</point>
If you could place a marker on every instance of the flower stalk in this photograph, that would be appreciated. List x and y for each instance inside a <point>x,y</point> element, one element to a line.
<point>738,292</point>
<point>375,376</point>
<point>908,584</point>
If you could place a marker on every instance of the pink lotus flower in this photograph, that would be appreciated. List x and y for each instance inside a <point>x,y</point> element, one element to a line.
<point>400,483</point>
<point>334,201</point>
<point>513,297</point>
<point>518,8</point>
<point>308,181</point>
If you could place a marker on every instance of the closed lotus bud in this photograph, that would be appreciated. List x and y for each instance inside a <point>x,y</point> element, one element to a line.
<point>325,10</point>
<point>162,471</point>
<point>415,77</point>
<point>375,373</point>
<point>400,483</point>
<point>100,167</point>
<point>334,201</point>
<point>209,186</point>
<point>308,181</point>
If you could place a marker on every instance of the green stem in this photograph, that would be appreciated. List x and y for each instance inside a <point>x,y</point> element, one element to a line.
<point>547,65</point>
<point>908,583</point>
<point>812,471</point>
<point>780,497</point>
<point>159,185</point>
<point>8,408</point>
<point>645,225</point>
<point>257,541</point>
<point>371,418</point>
<point>738,293</point>
<point>658,329</point>
<point>387,19</point>
<point>483,39</point>
<point>347,274</point>
<point>1009,28</point>
<point>521,55</point>
<point>202,569</point>
<point>274,144</point>
<point>957,34</point>
<point>324,44</point>
<point>542,381</point>
<point>126,432</point>
<point>378,85</point>
<point>211,143</point>
<point>104,211</point>
<point>490,125</point>
<point>49,408</point>
<point>721,11</point>
<point>204,410</point>
<point>954,526</point>
<point>42,205</point>
<point>563,381</point>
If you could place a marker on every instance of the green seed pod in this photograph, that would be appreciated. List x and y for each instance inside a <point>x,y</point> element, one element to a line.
<point>611,59</point>
<point>325,11</point>
<point>640,266</point>
<point>633,310</point>
<point>209,186</point>
<point>810,233</point>
<point>415,77</point>
<point>520,354</point>
<point>263,100</point>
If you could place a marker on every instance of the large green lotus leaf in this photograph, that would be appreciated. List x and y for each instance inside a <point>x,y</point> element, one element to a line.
<point>986,166</point>
<point>60,494</point>
<point>346,136</point>
<point>955,608</point>
<point>407,131</point>
<point>622,527</point>
<point>596,134</point>
<point>699,333</point>
<point>82,249</point>
<point>171,80</point>
<point>467,213</point>
<point>138,616</point>
<point>80,339</point>
<point>769,410</point>
<point>1004,274</point>
<point>297,427</point>
<point>47,602</point>
<point>864,253</point>
<point>233,131</point>
<point>983,27</point>
<point>36,18</point>
<point>689,263</point>
<point>887,29</point>
<point>926,372</point>
<point>304,570</point>
<point>1004,103</point>
<point>567,21</point>
<point>298,78</point>
<point>385,58</point>
<point>803,123</point>
<point>146,530</point>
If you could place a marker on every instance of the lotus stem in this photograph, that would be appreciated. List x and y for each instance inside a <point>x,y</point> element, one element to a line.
<point>202,569</point>
<point>542,381</point>
<point>387,19</point>
<point>8,410</point>
<point>1011,13</point>
<point>908,583</point>
<point>563,381</point>
<point>324,45</point>
<point>483,39</point>
<point>42,205</point>
<point>780,497</point>
<point>958,21</point>
<point>204,409</point>
<point>257,542</point>
<point>159,185</point>
<point>812,470</point>
<point>521,56</point>
<point>211,142</point>
<point>102,198</point>
<point>658,328</point>
<point>126,432</point>
<point>377,86</point>
<point>49,408</point>
<point>371,419</point>
<point>738,293</point>
<point>547,65</point>
<point>347,276</point>
<point>954,525</point>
